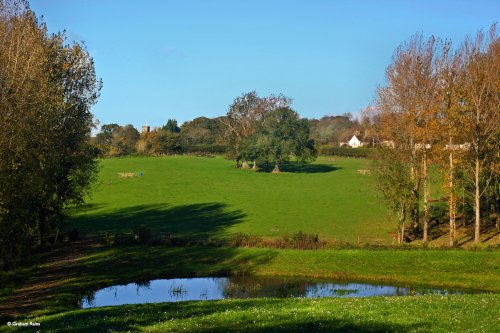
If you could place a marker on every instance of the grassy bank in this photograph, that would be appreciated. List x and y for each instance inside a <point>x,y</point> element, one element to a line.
<point>66,275</point>
<point>458,313</point>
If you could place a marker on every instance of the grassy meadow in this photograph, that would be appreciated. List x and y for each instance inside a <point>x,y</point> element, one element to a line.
<point>472,313</point>
<point>199,197</point>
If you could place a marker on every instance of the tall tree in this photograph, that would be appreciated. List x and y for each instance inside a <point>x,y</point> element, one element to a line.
<point>104,138</point>
<point>124,140</point>
<point>244,114</point>
<point>479,115</point>
<point>285,135</point>
<point>47,88</point>
<point>408,105</point>
<point>171,126</point>
<point>166,143</point>
<point>393,181</point>
<point>447,147</point>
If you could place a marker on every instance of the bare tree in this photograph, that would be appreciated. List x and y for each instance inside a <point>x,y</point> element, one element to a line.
<point>479,73</point>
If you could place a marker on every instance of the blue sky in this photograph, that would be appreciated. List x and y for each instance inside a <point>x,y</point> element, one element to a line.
<point>184,59</point>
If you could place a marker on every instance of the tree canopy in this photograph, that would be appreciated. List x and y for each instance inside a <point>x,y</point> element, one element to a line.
<point>280,135</point>
<point>47,87</point>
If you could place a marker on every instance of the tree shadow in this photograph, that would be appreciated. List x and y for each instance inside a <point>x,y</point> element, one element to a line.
<point>65,274</point>
<point>88,207</point>
<point>298,167</point>
<point>194,221</point>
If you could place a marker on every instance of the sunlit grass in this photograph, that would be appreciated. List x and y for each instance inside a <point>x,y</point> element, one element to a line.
<point>326,198</point>
<point>431,313</point>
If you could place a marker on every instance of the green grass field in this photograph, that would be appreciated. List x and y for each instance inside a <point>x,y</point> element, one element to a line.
<point>200,197</point>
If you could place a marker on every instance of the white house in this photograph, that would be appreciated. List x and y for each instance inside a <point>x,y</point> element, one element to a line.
<point>354,142</point>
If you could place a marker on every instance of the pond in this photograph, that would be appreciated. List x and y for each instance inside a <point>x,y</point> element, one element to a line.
<point>215,288</point>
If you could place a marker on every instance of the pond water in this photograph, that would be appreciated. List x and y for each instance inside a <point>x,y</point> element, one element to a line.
<point>215,288</point>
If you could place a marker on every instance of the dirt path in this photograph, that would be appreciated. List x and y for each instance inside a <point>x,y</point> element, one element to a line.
<point>49,275</point>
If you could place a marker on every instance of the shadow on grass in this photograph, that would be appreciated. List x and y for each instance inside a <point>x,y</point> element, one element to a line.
<point>64,275</point>
<point>209,317</point>
<point>83,208</point>
<point>195,221</point>
<point>298,167</point>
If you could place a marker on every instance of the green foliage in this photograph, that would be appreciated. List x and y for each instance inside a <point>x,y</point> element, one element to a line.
<point>254,148</point>
<point>202,131</point>
<point>244,116</point>
<point>166,143</point>
<point>280,135</point>
<point>393,180</point>
<point>171,126</point>
<point>345,152</point>
<point>330,130</point>
<point>104,138</point>
<point>305,149</point>
<point>124,140</point>
<point>201,148</point>
<point>47,88</point>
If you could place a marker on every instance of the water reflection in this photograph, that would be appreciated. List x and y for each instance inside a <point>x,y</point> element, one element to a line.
<point>214,288</point>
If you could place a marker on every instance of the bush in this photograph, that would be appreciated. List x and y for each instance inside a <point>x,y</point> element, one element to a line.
<point>345,152</point>
<point>302,240</point>
<point>299,240</point>
<point>245,240</point>
<point>204,149</point>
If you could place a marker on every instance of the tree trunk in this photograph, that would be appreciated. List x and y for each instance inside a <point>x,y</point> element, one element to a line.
<point>477,205</point>
<point>497,202</point>
<point>401,227</point>
<point>254,166</point>
<point>451,203</point>
<point>276,168</point>
<point>414,210</point>
<point>402,235</point>
<point>56,237</point>
<point>39,235</point>
<point>426,200</point>
<point>245,165</point>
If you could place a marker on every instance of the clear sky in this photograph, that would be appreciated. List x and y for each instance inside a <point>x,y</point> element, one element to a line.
<point>183,59</point>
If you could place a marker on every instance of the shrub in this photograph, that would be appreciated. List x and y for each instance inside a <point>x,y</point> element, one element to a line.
<point>204,149</point>
<point>245,240</point>
<point>345,152</point>
<point>305,241</point>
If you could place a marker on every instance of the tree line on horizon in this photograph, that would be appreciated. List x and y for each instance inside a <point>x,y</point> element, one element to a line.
<point>441,108</point>
<point>211,135</point>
